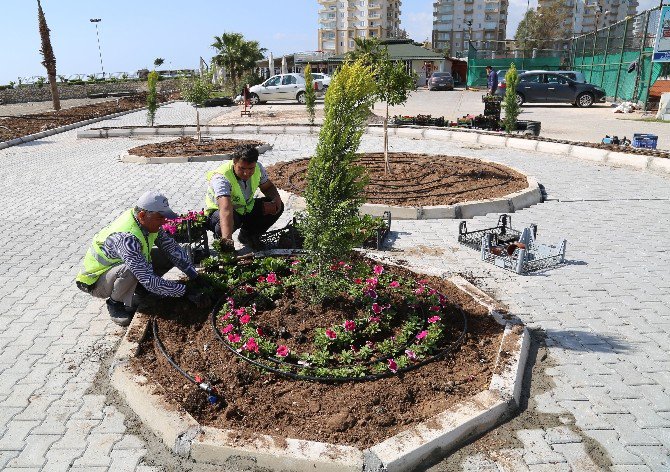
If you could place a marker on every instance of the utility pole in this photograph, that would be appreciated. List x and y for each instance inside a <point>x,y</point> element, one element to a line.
<point>97,35</point>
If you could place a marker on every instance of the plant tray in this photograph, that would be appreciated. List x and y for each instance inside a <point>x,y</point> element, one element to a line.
<point>512,250</point>
<point>288,237</point>
<point>194,241</point>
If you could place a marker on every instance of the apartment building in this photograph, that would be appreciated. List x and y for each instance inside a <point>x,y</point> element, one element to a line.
<point>340,21</point>
<point>455,22</point>
<point>585,16</point>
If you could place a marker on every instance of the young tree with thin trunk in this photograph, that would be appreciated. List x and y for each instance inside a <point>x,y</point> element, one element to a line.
<point>196,90</point>
<point>310,94</point>
<point>47,51</point>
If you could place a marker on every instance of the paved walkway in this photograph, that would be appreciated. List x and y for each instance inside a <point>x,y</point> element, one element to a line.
<point>606,313</point>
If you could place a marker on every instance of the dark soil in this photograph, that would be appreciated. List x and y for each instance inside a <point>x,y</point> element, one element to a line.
<point>417,179</point>
<point>352,413</point>
<point>17,126</point>
<point>187,146</point>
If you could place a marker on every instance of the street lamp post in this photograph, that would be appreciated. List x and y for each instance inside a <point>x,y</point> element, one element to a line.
<point>97,35</point>
<point>469,23</point>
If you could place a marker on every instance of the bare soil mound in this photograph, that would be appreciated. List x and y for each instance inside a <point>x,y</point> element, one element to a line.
<point>417,179</point>
<point>187,146</point>
<point>360,414</point>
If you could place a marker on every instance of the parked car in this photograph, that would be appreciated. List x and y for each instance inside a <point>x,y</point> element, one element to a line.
<point>441,80</point>
<point>283,87</point>
<point>552,87</point>
<point>325,78</point>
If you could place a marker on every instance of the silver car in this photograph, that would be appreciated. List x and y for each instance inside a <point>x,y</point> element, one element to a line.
<point>282,87</point>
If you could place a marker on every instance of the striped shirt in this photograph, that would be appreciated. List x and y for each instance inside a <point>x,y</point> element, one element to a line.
<point>126,247</point>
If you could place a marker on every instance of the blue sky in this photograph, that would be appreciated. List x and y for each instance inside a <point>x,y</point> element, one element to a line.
<point>134,33</point>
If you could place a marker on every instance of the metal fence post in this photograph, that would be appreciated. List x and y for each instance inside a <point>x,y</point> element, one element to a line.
<point>593,52</point>
<point>607,44</point>
<point>623,45</point>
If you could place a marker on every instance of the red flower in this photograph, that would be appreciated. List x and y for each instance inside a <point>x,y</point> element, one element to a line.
<point>259,331</point>
<point>372,282</point>
<point>374,319</point>
<point>227,329</point>
<point>393,366</point>
<point>331,334</point>
<point>377,308</point>
<point>334,267</point>
<point>234,338</point>
<point>435,308</point>
<point>349,325</point>
<point>245,319</point>
<point>249,289</point>
<point>250,345</point>
<point>358,281</point>
<point>261,279</point>
<point>282,351</point>
<point>378,270</point>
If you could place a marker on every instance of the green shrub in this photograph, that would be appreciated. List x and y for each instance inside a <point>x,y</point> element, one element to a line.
<point>510,105</point>
<point>152,97</point>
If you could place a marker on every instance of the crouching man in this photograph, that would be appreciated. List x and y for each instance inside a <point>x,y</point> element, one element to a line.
<point>123,255</point>
<point>230,201</point>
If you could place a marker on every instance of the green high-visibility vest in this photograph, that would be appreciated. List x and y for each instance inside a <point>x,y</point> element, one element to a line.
<point>96,261</point>
<point>240,204</point>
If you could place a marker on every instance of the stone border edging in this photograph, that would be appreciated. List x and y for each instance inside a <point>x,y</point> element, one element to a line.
<point>612,158</point>
<point>133,159</point>
<point>71,126</point>
<point>507,204</point>
<point>404,451</point>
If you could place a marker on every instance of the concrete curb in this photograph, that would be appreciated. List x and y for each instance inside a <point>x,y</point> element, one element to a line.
<point>612,158</point>
<point>404,451</point>
<point>507,204</point>
<point>71,126</point>
<point>133,159</point>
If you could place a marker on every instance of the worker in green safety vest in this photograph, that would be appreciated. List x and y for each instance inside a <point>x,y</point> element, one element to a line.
<point>231,203</point>
<point>123,255</point>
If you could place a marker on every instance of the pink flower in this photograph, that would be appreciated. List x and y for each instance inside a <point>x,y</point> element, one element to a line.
<point>245,319</point>
<point>250,345</point>
<point>374,319</point>
<point>331,334</point>
<point>435,308</point>
<point>394,284</point>
<point>422,281</point>
<point>227,329</point>
<point>240,311</point>
<point>230,302</point>
<point>349,325</point>
<point>443,299</point>
<point>372,282</point>
<point>434,319</point>
<point>378,270</point>
<point>282,351</point>
<point>295,262</point>
<point>410,354</point>
<point>393,366</point>
<point>234,338</point>
<point>432,291</point>
<point>419,290</point>
<point>422,335</point>
<point>272,278</point>
<point>261,279</point>
<point>377,308</point>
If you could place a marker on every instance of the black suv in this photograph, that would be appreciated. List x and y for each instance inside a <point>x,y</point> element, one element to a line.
<point>552,87</point>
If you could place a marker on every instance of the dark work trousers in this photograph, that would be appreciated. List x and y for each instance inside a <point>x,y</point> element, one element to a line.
<point>251,224</point>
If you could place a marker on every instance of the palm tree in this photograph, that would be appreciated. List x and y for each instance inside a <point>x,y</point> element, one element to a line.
<point>47,51</point>
<point>236,55</point>
<point>158,61</point>
<point>370,51</point>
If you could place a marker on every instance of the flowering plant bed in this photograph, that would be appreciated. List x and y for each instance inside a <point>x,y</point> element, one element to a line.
<point>372,353</point>
<point>189,229</point>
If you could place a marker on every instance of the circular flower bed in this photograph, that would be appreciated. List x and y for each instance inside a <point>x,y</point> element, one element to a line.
<point>388,324</point>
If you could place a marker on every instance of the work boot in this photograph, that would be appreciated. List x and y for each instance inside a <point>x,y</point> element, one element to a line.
<point>120,313</point>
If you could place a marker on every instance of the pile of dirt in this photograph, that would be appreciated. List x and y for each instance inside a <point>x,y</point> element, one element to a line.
<point>187,146</point>
<point>17,126</point>
<point>417,179</point>
<point>351,413</point>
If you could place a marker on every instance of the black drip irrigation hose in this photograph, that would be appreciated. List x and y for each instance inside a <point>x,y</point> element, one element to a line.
<point>212,394</point>
<point>314,378</point>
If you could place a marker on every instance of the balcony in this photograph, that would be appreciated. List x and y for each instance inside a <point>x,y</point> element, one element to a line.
<point>374,6</point>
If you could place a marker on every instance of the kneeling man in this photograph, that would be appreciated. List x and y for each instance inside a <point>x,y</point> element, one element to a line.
<point>230,201</point>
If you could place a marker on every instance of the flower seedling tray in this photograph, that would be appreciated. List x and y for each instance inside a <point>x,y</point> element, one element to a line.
<point>501,234</point>
<point>195,241</point>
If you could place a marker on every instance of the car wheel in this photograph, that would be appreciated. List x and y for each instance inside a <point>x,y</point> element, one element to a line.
<point>254,99</point>
<point>519,99</point>
<point>585,100</point>
<point>301,98</point>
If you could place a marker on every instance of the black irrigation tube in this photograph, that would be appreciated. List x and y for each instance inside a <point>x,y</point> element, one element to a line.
<point>293,376</point>
<point>212,394</point>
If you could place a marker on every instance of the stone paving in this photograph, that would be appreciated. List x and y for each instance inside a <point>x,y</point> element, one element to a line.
<point>606,313</point>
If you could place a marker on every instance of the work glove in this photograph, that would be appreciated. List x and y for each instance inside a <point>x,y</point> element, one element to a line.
<point>197,297</point>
